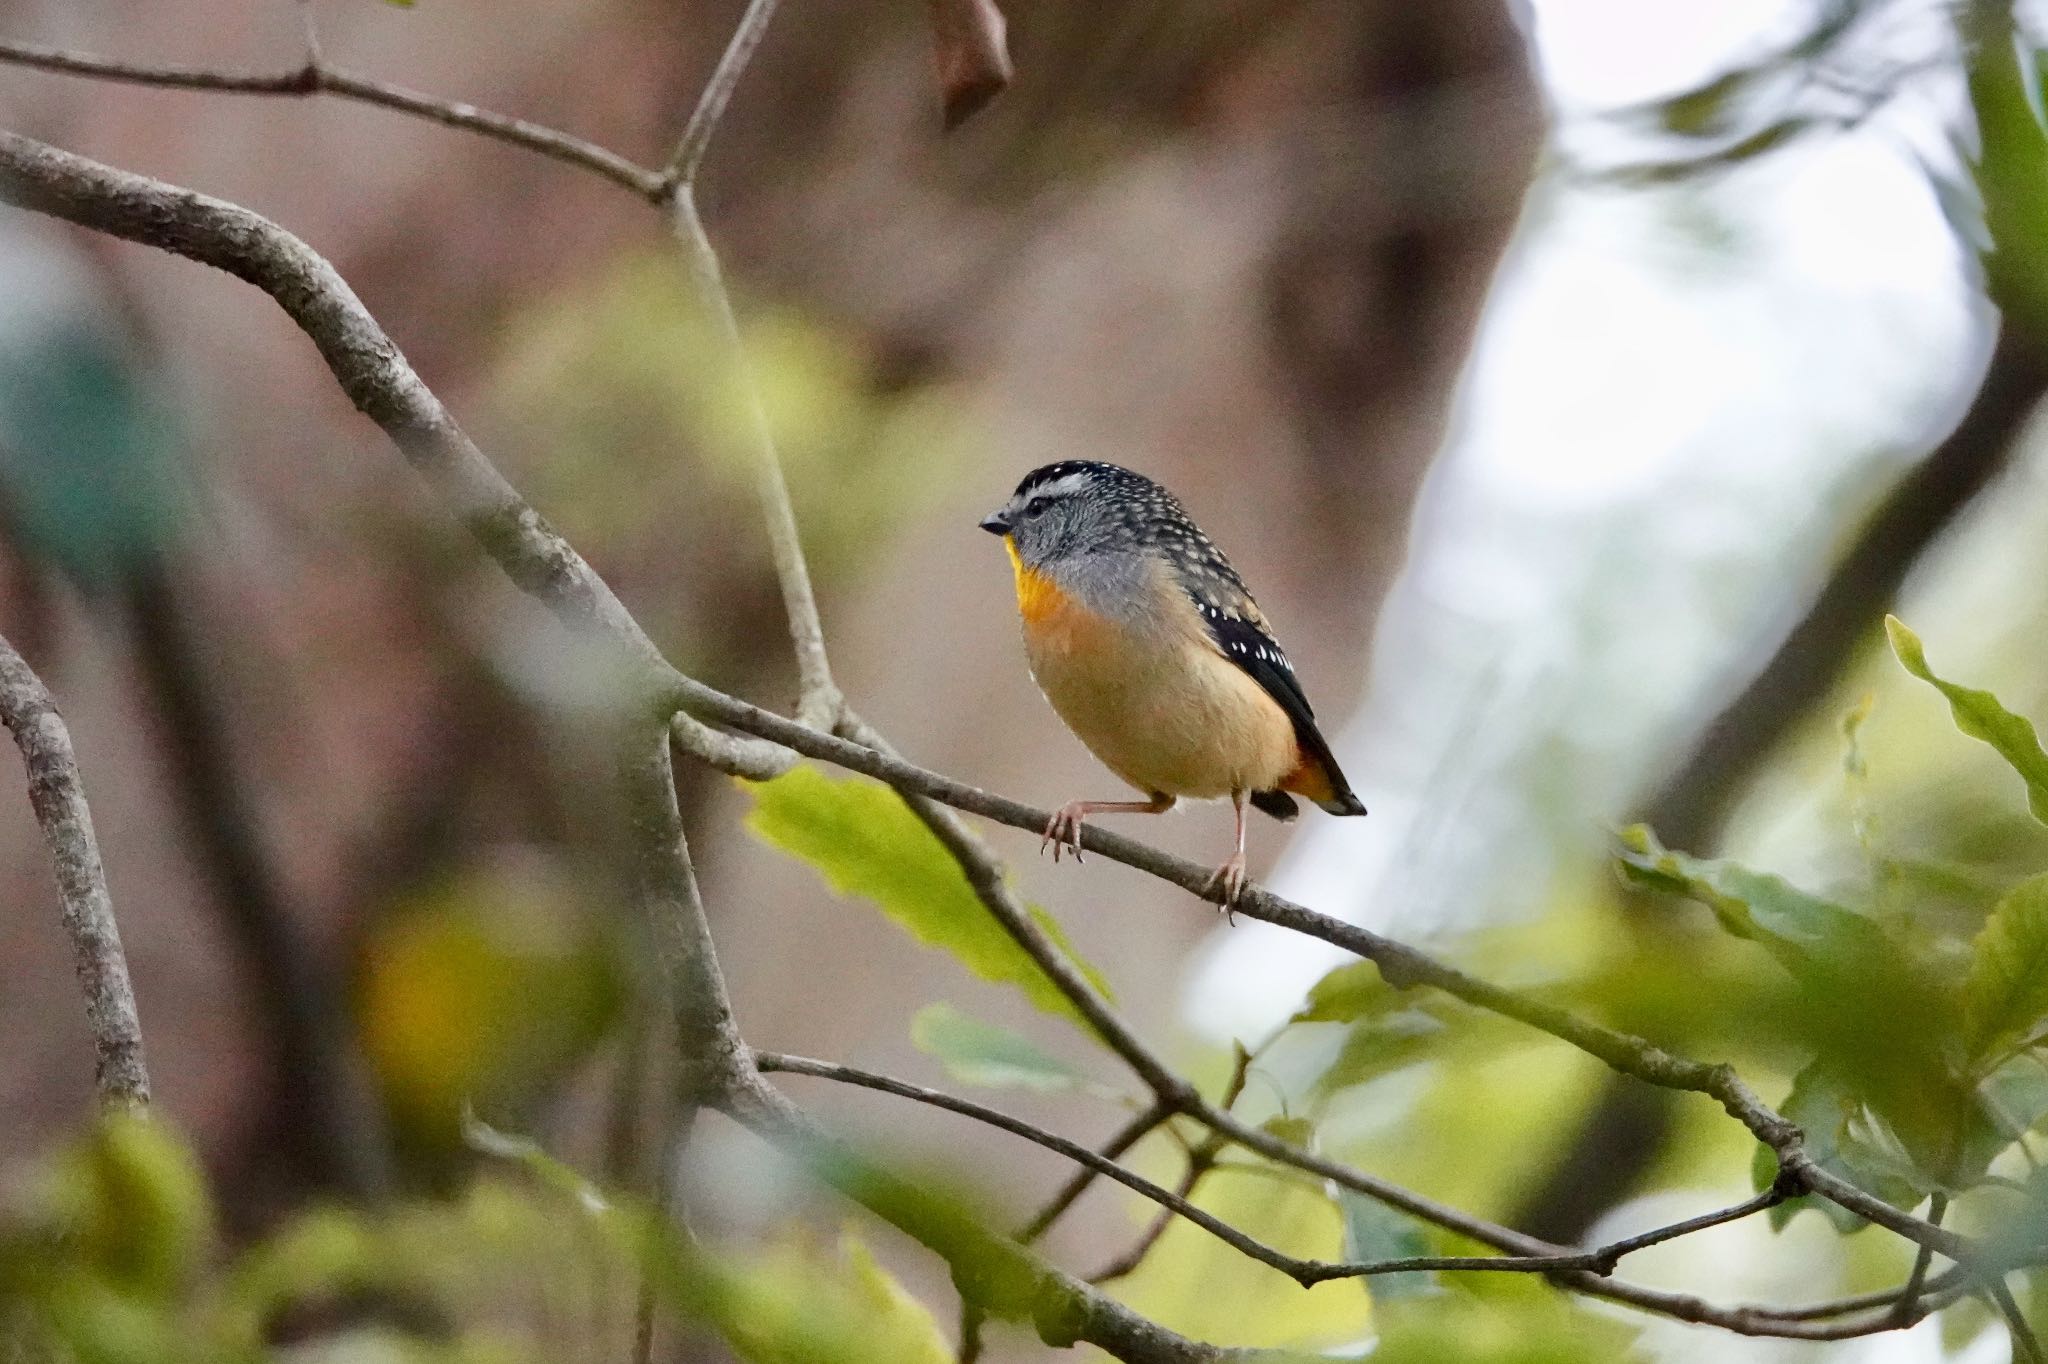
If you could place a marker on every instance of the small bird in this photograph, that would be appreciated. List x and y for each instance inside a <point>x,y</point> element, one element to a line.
<point>1152,651</point>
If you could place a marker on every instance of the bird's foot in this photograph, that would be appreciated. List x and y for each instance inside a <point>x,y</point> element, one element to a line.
<point>1063,831</point>
<point>1229,878</point>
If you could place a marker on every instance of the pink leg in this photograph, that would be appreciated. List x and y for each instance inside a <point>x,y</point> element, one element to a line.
<point>1064,830</point>
<point>1230,876</point>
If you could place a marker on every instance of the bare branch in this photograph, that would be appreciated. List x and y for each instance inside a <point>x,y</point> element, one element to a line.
<point>818,700</point>
<point>1201,1161</point>
<point>317,79</point>
<point>1125,1137</point>
<point>985,877</point>
<point>57,795</point>
<point>681,172</point>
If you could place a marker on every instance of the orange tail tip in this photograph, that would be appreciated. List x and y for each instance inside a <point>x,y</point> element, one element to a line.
<point>1327,788</point>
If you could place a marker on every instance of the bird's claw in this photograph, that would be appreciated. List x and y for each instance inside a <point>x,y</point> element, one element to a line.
<point>1063,831</point>
<point>1229,878</point>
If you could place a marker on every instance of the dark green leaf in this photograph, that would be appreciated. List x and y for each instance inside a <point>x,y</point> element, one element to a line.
<point>2005,999</point>
<point>979,1053</point>
<point>1374,1231</point>
<point>1844,1140</point>
<point>1978,714</point>
<point>1804,932</point>
<point>864,841</point>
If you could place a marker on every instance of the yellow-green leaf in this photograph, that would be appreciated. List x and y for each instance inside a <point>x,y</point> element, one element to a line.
<point>1980,715</point>
<point>978,1053</point>
<point>2005,999</point>
<point>865,842</point>
<point>801,1303</point>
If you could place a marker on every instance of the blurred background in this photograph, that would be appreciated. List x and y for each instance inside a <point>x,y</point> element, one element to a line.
<point>1576,382</point>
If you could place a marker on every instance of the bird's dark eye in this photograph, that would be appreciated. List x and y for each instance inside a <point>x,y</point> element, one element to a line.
<point>1036,505</point>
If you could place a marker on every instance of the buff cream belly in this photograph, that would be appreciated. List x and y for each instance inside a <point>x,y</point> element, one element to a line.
<point>1157,704</point>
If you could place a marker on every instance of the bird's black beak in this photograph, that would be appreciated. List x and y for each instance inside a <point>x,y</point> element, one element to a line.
<point>996,524</point>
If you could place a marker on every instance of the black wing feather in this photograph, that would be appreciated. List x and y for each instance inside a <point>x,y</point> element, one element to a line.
<point>1245,642</point>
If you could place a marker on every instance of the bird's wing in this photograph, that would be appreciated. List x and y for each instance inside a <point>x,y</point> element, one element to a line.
<point>1237,628</point>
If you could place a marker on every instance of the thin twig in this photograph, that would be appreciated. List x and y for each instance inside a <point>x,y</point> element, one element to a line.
<point>2026,1348</point>
<point>318,79</point>
<point>681,171</point>
<point>57,794</point>
<point>1937,1207</point>
<point>1302,1271</point>
<point>309,31</point>
<point>818,700</point>
<point>1125,1137</point>
<point>1200,1162</point>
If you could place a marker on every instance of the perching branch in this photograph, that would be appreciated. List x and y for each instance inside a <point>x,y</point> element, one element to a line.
<point>1403,966</point>
<point>57,795</point>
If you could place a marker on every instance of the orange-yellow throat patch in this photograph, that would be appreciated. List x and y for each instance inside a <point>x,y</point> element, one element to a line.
<point>1038,597</point>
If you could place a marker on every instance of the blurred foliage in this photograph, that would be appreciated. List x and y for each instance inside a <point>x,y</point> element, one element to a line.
<point>108,1257</point>
<point>628,398</point>
<point>1921,1028</point>
<point>864,841</point>
<point>92,473</point>
<point>484,988</point>
<point>978,1053</point>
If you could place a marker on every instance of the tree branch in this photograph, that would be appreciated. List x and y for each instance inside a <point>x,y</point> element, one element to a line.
<point>1303,1272</point>
<point>374,373</point>
<point>818,698</point>
<point>1403,966</point>
<point>57,794</point>
<point>316,78</point>
<point>681,172</point>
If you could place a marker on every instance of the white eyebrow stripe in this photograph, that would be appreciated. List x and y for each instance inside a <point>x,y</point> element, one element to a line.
<point>1059,487</point>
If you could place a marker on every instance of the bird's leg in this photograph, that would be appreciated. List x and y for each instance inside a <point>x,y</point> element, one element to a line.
<point>1230,876</point>
<point>1063,832</point>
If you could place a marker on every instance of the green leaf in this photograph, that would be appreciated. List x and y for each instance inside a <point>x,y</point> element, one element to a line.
<point>1978,714</point>
<point>548,1172</point>
<point>2016,1095</point>
<point>865,842</point>
<point>134,1204</point>
<point>1376,1045</point>
<point>1374,1231</point>
<point>1290,1129</point>
<point>802,1303</point>
<point>2005,998</point>
<point>1845,1140</point>
<point>1803,931</point>
<point>1501,1319</point>
<point>978,1053</point>
<point>1349,992</point>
